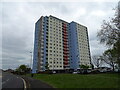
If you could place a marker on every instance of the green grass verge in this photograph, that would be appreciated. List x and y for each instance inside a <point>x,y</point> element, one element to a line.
<point>80,81</point>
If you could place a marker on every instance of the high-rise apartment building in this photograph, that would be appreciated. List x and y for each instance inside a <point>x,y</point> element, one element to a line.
<point>60,45</point>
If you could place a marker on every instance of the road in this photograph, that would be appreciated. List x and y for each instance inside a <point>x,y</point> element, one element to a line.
<point>33,83</point>
<point>11,81</point>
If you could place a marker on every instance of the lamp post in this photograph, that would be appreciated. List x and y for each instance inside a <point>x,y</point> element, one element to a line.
<point>31,63</point>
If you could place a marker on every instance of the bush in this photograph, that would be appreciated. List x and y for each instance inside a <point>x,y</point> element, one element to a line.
<point>95,71</point>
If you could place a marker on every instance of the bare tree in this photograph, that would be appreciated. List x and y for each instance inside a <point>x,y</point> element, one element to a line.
<point>110,30</point>
<point>96,60</point>
<point>109,58</point>
<point>110,33</point>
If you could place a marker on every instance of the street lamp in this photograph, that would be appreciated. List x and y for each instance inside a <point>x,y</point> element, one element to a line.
<point>31,62</point>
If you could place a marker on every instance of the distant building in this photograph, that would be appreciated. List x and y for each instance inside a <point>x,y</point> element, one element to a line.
<point>9,70</point>
<point>60,45</point>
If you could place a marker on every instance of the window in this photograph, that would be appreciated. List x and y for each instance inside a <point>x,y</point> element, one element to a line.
<point>46,39</point>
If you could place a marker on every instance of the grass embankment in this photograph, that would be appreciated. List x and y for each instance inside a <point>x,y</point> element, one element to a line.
<point>80,81</point>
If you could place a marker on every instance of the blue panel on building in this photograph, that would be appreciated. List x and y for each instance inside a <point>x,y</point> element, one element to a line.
<point>73,44</point>
<point>35,56</point>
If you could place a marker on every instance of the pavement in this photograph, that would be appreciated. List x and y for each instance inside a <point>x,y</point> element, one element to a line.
<point>34,83</point>
<point>11,81</point>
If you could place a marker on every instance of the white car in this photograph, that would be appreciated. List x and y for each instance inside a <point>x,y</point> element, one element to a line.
<point>54,72</point>
<point>74,72</point>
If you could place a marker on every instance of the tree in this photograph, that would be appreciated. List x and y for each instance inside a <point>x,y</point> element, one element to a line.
<point>84,66</point>
<point>47,66</point>
<point>109,33</point>
<point>109,58</point>
<point>96,60</point>
<point>92,66</point>
<point>22,69</point>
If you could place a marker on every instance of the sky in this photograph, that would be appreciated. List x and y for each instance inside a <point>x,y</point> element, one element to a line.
<point>17,25</point>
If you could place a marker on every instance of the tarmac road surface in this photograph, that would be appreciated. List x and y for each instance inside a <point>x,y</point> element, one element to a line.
<point>11,81</point>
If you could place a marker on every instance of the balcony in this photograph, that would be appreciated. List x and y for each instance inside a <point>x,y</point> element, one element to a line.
<point>65,40</point>
<point>66,53</point>
<point>63,28</point>
<point>65,49</point>
<point>65,44</point>
<point>64,25</point>
<point>66,63</point>
<point>65,34</point>
<point>64,31</point>
<point>65,57</point>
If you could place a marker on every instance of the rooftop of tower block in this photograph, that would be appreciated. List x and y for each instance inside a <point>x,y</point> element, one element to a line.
<point>78,24</point>
<point>67,22</point>
<point>61,20</point>
<point>57,18</point>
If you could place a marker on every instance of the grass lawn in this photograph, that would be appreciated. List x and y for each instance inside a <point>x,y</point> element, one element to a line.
<point>80,81</point>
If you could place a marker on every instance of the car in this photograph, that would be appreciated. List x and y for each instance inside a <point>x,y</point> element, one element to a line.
<point>54,72</point>
<point>75,72</point>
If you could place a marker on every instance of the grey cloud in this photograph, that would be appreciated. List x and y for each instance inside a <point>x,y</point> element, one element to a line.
<point>97,48</point>
<point>17,36</point>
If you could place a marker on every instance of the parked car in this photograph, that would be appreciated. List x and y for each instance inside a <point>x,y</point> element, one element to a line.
<point>53,72</point>
<point>95,71</point>
<point>75,72</point>
<point>83,71</point>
